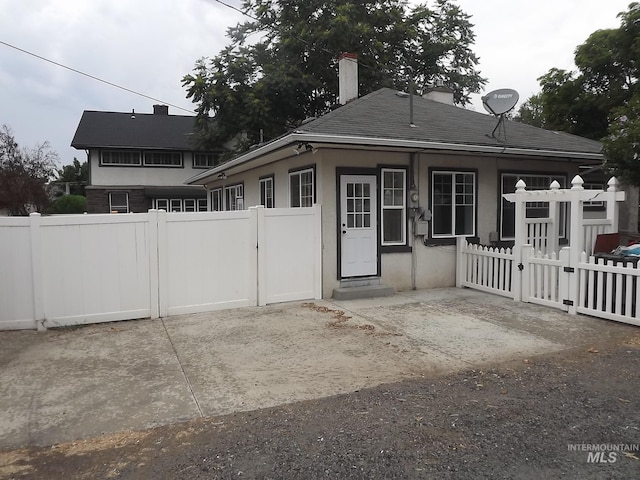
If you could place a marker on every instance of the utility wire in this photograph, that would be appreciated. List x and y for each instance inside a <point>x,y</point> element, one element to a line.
<point>95,78</point>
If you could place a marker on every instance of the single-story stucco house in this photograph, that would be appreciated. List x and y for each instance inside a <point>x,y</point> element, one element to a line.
<point>398,185</point>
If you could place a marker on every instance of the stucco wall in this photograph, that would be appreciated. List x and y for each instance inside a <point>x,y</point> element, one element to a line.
<point>435,264</point>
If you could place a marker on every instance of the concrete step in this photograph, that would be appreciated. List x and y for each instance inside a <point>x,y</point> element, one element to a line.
<point>359,281</point>
<point>367,291</point>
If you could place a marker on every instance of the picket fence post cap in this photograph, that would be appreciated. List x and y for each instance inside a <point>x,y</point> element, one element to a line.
<point>521,186</point>
<point>577,182</point>
<point>554,185</point>
<point>613,184</point>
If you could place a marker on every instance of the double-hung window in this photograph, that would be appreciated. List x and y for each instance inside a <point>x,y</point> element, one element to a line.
<point>394,206</point>
<point>534,209</point>
<point>266,192</point>
<point>301,188</point>
<point>119,202</point>
<point>216,200</point>
<point>234,197</point>
<point>453,201</point>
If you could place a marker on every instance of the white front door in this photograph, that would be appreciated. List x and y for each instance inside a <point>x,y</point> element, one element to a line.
<point>358,226</point>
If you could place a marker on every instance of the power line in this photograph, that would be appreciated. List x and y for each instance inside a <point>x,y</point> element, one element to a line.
<point>94,77</point>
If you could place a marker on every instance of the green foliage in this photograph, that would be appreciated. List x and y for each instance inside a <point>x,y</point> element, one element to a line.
<point>23,175</point>
<point>281,67</point>
<point>607,78</point>
<point>622,144</point>
<point>76,175</point>
<point>68,204</point>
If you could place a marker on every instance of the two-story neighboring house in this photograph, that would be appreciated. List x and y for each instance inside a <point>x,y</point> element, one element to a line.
<point>140,161</point>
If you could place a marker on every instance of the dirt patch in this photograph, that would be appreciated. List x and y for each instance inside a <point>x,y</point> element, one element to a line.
<point>341,319</point>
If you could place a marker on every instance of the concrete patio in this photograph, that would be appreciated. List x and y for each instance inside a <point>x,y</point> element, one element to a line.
<point>67,384</point>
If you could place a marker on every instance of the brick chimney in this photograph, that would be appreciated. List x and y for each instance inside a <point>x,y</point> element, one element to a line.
<point>161,110</point>
<point>348,77</point>
<point>439,93</point>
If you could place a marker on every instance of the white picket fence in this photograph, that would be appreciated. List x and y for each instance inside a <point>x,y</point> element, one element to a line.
<point>484,268</point>
<point>66,270</point>
<point>605,289</point>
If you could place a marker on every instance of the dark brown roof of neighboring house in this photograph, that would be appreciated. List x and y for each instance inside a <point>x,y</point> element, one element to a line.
<point>139,130</point>
<point>384,114</point>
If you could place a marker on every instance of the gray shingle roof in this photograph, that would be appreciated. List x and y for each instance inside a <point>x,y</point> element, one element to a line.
<point>383,114</point>
<point>120,130</point>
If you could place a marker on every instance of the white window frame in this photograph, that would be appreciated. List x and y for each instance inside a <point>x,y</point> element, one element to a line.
<point>149,157</point>
<point>307,200</point>
<point>217,200</point>
<point>201,204</point>
<point>108,161</point>
<point>234,197</point>
<point>161,204</point>
<point>189,205</point>
<point>204,160</point>
<point>454,204</point>
<point>402,207</point>
<point>114,207</point>
<point>175,205</point>
<point>264,185</point>
<point>529,206</point>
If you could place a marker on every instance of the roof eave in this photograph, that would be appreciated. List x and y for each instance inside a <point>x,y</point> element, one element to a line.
<point>418,145</point>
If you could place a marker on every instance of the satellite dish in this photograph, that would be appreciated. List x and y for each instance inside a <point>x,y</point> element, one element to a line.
<point>500,101</point>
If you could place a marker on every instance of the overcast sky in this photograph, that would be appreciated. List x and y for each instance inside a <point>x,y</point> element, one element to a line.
<point>149,45</point>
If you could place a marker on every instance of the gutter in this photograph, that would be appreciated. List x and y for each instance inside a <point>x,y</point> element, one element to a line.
<point>300,136</point>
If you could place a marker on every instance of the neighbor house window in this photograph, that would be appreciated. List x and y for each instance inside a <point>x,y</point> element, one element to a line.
<point>216,200</point>
<point>189,204</point>
<point>301,188</point>
<point>162,204</point>
<point>453,200</point>
<point>204,160</point>
<point>119,202</point>
<point>234,197</point>
<point>120,157</point>
<point>202,204</point>
<point>394,206</point>
<point>266,192</point>
<point>175,204</point>
<point>163,159</point>
<point>534,209</point>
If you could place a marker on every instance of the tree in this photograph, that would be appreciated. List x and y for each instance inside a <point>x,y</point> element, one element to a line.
<point>261,89</point>
<point>622,144</point>
<point>23,174</point>
<point>76,175</point>
<point>581,102</point>
<point>69,204</point>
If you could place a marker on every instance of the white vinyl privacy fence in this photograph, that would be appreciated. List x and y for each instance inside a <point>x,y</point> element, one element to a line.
<point>67,270</point>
